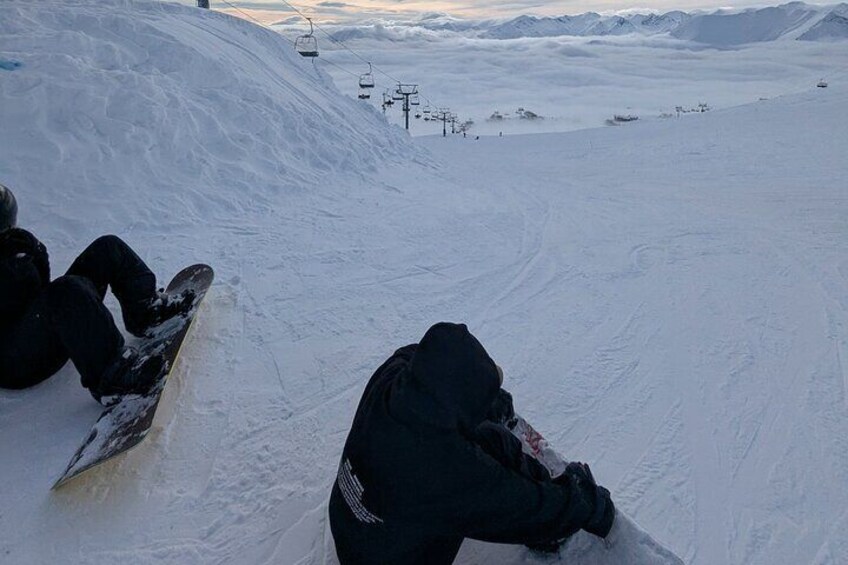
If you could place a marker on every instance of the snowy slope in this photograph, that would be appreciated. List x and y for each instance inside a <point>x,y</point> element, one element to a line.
<point>679,301</point>
<point>667,298</point>
<point>766,24</point>
<point>832,27</point>
<point>149,96</point>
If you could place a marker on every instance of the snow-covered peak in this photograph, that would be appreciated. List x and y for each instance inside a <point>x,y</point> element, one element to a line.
<point>720,27</point>
<point>660,23</point>
<point>615,25</point>
<point>834,26</point>
<point>531,26</point>
<point>766,24</point>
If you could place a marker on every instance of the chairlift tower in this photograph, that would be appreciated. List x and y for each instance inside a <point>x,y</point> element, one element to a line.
<point>404,92</point>
<point>444,116</point>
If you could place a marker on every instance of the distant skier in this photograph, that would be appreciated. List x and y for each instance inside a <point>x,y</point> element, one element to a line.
<point>44,323</point>
<point>427,463</point>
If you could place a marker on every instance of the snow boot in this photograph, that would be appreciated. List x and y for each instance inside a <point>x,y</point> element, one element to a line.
<point>130,373</point>
<point>139,319</point>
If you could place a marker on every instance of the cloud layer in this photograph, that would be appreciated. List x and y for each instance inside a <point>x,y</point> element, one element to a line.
<point>357,11</point>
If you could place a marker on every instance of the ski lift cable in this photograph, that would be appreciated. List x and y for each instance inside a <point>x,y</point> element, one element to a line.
<point>351,73</point>
<point>334,40</point>
<point>339,67</point>
<point>347,48</point>
<point>378,85</point>
<point>245,14</point>
<point>248,16</point>
<point>341,43</point>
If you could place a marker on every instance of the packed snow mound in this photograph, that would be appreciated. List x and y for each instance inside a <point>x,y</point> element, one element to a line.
<point>833,27</point>
<point>175,96</point>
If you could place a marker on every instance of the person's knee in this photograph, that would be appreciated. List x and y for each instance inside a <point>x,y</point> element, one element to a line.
<point>69,289</point>
<point>107,244</point>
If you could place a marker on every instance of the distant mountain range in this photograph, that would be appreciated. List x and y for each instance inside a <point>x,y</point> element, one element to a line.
<point>795,20</point>
<point>722,28</point>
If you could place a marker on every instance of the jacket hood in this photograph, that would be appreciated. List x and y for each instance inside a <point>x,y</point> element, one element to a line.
<point>450,382</point>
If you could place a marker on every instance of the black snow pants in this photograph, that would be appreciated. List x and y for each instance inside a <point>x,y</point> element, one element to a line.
<point>69,320</point>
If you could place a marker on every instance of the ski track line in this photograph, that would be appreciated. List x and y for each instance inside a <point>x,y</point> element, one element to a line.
<point>526,261</point>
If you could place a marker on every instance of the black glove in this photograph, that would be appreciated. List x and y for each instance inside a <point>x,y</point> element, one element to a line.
<point>501,410</point>
<point>597,498</point>
<point>17,241</point>
<point>601,521</point>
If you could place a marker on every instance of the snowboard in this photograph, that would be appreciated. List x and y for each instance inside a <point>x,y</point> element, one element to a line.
<point>626,543</point>
<point>125,424</point>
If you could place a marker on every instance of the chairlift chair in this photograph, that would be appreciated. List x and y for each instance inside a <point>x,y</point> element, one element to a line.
<point>367,80</point>
<point>414,100</point>
<point>364,95</point>
<point>307,45</point>
<point>397,94</point>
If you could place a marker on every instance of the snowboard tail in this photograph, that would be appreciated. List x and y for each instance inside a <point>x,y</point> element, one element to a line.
<point>124,425</point>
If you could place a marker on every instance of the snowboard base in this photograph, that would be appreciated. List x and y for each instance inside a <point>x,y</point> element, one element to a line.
<point>125,424</point>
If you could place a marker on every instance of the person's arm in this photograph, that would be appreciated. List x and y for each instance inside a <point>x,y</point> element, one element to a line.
<point>505,448</point>
<point>24,271</point>
<point>603,515</point>
<point>20,283</point>
<point>576,475</point>
<point>497,504</point>
<point>16,243</point>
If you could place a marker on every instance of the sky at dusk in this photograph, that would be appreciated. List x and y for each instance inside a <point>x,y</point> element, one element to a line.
<point>341,11</point>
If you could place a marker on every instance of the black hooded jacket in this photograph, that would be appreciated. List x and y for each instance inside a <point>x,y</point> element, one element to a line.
<point>24,272</point>
<point>412,483</point>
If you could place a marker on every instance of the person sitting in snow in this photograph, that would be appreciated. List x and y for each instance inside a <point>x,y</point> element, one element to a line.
<point>428,463</point>
<point>43,323</point>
